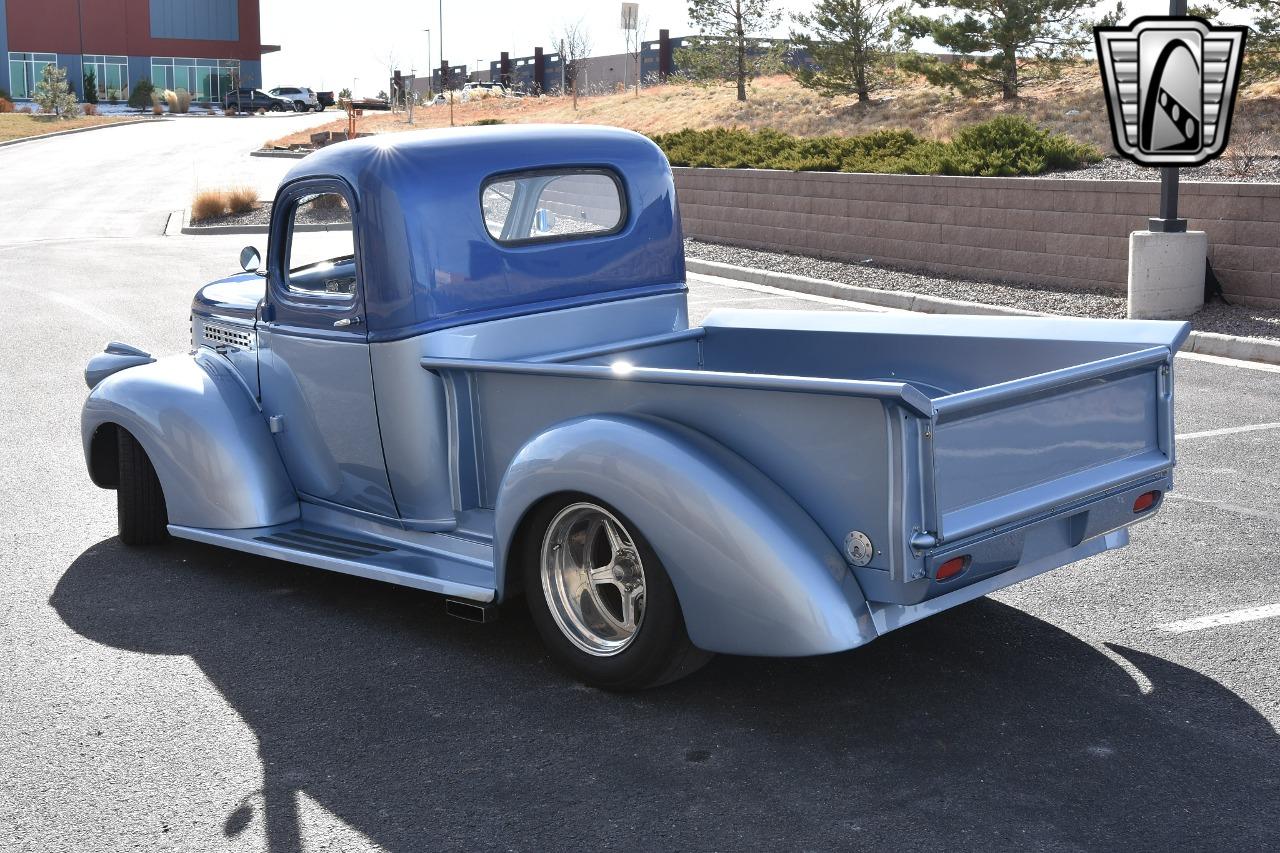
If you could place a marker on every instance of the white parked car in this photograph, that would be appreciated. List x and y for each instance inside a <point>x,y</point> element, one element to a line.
<point>304,99</point>
<point>485,89</point>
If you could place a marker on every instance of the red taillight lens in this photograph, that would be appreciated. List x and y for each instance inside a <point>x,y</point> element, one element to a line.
<point>952,567</point>
<point>1145,501</point>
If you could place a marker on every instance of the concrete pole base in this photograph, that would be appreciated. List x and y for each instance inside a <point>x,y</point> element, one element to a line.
<point>1166,274</point>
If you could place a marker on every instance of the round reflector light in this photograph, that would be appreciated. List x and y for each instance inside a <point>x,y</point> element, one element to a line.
<point>952,567</point>
<point>1145,501</point>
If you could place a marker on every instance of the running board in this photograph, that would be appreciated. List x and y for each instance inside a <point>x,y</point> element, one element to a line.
<point>448,568</point>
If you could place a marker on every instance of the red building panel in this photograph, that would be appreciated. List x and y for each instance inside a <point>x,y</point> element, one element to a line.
<point>118,27</point>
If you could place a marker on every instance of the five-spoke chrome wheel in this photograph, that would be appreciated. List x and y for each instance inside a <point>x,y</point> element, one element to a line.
<point>593,579</point>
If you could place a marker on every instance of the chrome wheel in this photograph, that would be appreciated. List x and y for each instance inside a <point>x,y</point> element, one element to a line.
<point>593,579</point>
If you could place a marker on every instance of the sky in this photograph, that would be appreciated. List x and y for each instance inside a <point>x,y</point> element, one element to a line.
<point>330,44</point>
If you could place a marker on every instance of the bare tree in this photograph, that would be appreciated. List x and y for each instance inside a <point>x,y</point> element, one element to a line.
<point>575,47</point>
<point>390,62</point>
<point>635,48</point>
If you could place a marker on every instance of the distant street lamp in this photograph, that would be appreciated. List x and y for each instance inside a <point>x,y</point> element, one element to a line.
<point>430,66</point>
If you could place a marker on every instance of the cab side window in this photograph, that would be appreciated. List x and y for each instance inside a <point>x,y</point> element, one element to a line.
<point>322,255</point>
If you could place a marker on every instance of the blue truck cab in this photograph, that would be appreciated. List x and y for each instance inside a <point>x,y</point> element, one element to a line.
<point>466,366</point>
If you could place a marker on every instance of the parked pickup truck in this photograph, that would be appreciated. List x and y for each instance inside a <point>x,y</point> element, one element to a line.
<point>466,367</point>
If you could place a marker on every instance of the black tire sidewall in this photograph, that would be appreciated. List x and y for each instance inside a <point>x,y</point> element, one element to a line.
<point>661,638</point>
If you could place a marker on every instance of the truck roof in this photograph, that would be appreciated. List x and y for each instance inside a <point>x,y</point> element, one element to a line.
<point>428,260</point>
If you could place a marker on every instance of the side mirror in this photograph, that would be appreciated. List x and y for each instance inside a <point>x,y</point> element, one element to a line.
<point>544,221</point>
<point>250,260</point>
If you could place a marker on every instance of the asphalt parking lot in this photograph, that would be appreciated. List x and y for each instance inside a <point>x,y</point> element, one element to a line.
<point>187,698</point>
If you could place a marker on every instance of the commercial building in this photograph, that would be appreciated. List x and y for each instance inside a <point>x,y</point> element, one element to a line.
<point>203,46</point>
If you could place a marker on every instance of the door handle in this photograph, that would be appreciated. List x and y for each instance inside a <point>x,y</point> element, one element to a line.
<point>347,321</point>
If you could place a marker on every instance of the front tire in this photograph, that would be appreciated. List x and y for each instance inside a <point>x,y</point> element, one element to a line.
<point>140,509</point>
<point>602,600</point>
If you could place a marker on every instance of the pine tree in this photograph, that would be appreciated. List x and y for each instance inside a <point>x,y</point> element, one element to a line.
<point>53,95</point>
<point>995,39</point>
<point>724,47</point>
<point>91,87</point>
<point>849,41</point>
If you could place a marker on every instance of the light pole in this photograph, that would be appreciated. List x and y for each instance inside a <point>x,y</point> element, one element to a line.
<point>1168,221</point>
<point>430,77</point>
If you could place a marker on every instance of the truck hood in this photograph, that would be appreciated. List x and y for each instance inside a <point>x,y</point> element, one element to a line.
<point>234,297</point>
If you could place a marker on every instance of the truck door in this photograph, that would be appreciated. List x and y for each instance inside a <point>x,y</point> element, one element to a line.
<point>314,369</point>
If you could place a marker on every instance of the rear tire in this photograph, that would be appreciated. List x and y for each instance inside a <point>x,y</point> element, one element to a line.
<point>585,624</point>
<point>140,508</point>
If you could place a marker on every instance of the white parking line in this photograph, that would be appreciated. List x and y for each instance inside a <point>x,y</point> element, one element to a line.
<point>1216,620</point>
<point>1227,431</point>
<point>804,297</point>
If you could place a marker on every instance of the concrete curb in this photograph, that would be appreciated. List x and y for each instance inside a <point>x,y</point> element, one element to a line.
<point>215,230</point>
<point>1234,346</point>
<point>1204,343</point>
<point>290,155</point>
<point>833,289</point>
<point>104,126</point>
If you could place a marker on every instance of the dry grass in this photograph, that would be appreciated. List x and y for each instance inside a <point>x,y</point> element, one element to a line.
<point>216,203</point>
<point>19,125</point>
<point>179,101</point>
<point>241,199</point>
<point>1073,105</point>
<point>209,204</point>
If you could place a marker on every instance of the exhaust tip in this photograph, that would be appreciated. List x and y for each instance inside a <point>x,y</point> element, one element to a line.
<point>471,611</point>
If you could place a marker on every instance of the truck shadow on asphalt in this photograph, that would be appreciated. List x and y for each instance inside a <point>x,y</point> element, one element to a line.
<point>983,727</point>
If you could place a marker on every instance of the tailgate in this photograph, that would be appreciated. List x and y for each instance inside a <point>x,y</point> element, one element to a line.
<point>1015,450</point>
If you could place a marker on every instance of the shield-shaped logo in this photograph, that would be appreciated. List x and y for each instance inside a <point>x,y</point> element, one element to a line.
<point>1170,84</point>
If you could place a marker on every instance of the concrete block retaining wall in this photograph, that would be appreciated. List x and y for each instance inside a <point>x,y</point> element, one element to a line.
<point>1072,233</point>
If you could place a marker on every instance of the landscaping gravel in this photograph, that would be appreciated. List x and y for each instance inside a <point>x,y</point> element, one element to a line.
<point>1214,317</point>
<point>261,215</point>
<point>1264,170</point>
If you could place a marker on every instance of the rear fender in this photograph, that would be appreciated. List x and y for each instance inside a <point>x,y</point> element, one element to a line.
<point>753,572</point>
<point>205,437</point>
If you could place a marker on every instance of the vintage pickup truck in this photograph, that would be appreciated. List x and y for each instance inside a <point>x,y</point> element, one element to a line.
<point>466,367</point>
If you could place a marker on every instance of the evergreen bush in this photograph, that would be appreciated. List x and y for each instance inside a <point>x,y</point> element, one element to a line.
<point>140,97</point>
<point>53,94</point>
<point>1008,145</point>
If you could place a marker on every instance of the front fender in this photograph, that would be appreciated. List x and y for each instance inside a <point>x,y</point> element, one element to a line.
<point>753,572</point>
<point>204,435</point>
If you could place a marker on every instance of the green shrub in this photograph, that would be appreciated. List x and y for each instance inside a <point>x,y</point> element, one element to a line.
<point>140,97</point>
<point>91,87</point>
<point>54,95</point>
<point>488,121</point>
<point>1008,145</point>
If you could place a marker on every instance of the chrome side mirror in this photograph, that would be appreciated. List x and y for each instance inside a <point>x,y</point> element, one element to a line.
<point>250,260</point>
<point>544,220</point>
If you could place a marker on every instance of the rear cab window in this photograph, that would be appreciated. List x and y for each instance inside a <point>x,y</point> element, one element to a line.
<point>553,205</point>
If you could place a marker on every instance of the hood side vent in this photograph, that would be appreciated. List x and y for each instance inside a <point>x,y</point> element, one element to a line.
<point>215,335</point>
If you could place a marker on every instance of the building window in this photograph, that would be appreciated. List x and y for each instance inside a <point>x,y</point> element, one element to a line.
<point>205,79</point>
<point>112,74</point>
<point>25,71</point>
